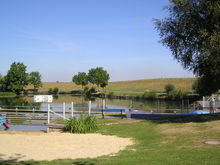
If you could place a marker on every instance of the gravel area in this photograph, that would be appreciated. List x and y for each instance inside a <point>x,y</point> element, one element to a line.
<point>49,146</point>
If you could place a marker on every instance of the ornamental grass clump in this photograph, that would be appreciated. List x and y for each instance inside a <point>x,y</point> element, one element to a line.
<point>83,124</point>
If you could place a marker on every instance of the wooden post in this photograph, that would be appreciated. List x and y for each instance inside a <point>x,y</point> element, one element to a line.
<point>72,109</point>
<point>121,114</point>
<point>64,108</point>
<point>203,102</point>
<point>48,114</point>
<point>90,103</point>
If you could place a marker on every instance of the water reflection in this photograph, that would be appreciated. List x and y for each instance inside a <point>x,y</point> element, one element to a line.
<point>81,104</point>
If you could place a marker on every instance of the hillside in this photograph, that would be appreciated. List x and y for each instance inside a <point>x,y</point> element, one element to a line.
<point>151,84</point>
<point>127,86</point>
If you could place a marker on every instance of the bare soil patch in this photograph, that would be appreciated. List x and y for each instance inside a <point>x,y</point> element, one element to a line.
<point>50,146</point>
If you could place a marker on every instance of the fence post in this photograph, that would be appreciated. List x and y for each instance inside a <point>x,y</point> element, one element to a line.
<point>158,105</point>
<point>72,109</point>
<point>182,104</point>
<point>203,102</point>
<point>103,104</point>
<point>90,103</point>
<point>48,114</point>
<point>103,114</point>
<point>64,108</point>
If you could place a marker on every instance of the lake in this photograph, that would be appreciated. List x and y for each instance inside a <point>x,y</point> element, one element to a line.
<point>156,106</point>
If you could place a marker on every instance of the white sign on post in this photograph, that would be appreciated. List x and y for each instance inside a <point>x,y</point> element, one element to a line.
<point>43,98</point>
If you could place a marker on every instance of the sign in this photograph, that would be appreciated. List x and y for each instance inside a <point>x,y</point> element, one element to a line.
<point>43,98</point>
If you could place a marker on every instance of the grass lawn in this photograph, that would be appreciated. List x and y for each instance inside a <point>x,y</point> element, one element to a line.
<point>179,142</point>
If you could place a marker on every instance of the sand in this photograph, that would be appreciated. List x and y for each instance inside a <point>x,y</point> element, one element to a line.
<point>55,145</point>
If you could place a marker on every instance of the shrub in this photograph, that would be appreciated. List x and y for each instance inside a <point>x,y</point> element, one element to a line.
<point>82,125</point>
<point>50,91</point>
<point>176,94</point>
<point>172,94</point>
<point>88,92</point>
<point>56,91</point>
<point>110,95</point>
<point>169,88</point>
<point>150,95</point>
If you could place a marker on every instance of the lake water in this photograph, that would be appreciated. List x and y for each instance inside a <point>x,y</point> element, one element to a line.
<point>81,104</point>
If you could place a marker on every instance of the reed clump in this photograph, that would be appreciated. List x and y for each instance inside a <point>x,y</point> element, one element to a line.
<point>84,124</point>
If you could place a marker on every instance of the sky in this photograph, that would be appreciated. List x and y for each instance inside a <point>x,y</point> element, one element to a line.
<point>60,38</point>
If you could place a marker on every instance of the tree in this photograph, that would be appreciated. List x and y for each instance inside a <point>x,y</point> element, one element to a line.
<point>169,88</point>
<point>35,80</point>
<point>98,76</point>
<point>192,32</point>
<point>80,79</point>
<point>17,78</point>
<point>2,81</point>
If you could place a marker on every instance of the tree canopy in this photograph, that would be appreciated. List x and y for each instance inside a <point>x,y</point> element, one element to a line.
<point>192,32</point>
<point>98,76</point>
<point>80,79</point>
<point>35,79</point>
<point>16,78</point>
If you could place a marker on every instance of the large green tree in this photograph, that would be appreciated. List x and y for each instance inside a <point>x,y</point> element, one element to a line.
<point>192,32</point>
<point>80,79</point>
<point>98,76</point>
<point>35,80</point>
<point>1,83</point>
<point>17,78</point>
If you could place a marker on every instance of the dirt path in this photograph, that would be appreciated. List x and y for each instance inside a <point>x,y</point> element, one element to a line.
<point>49,146</point>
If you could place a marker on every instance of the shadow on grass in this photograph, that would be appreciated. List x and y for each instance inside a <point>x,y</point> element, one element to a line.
<point>187,119</point>
<point>15,162</point>
<point>82,163</point>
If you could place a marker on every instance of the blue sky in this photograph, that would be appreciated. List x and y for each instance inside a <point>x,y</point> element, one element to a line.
<point>60,38</point>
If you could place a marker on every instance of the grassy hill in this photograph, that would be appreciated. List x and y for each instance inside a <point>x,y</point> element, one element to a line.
<point>127,86</point>
<point>151,84</point>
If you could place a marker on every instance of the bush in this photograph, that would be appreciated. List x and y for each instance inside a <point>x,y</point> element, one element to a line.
<point>82,125</point>
<point>56,91</point>
<point>150,95</point>
<point>88,92</point>
<point>169,88</point>
<point>50,91</point>
<point>177,94</point>
<point>111,95</point>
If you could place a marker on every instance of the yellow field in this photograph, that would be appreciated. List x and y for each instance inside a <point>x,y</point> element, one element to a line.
<point>151,84</point>
<point>124,86</point>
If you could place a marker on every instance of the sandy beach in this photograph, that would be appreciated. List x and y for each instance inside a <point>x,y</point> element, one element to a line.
<point>21,146</point>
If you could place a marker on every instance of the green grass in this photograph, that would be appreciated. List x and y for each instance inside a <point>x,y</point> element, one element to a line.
<point>177,142</point>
